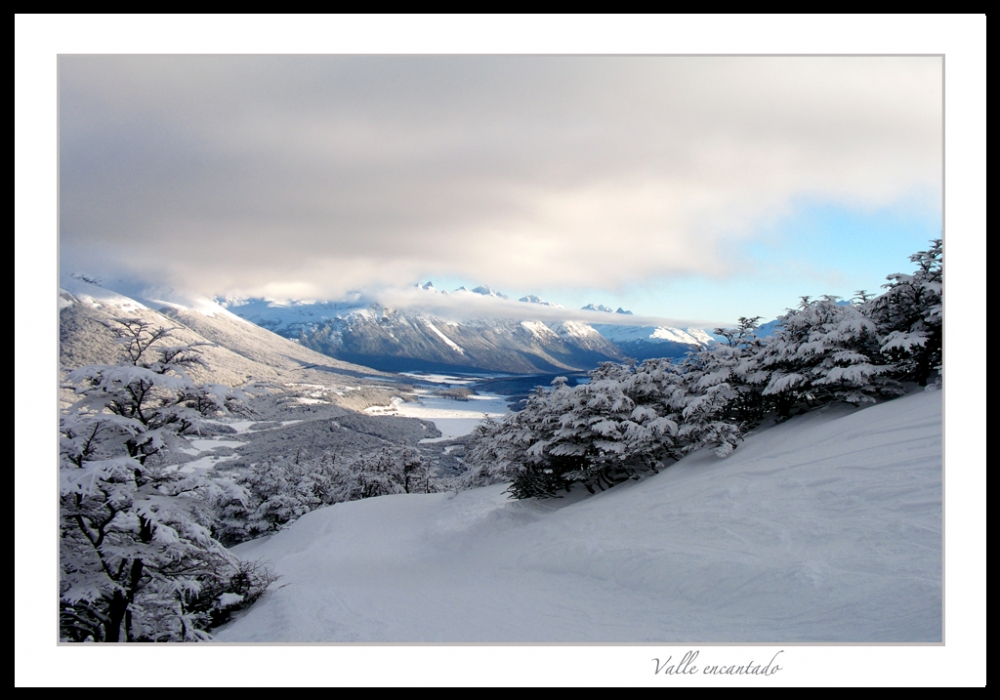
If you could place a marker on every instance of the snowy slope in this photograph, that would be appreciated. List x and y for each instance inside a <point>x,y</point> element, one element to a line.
<point>825,528</point>
<point>236,351</point>
<point>694,337</point>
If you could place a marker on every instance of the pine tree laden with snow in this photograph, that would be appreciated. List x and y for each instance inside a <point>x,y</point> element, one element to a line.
<point>826,351</point>
<point>596,434</point>
<point>909,316</point>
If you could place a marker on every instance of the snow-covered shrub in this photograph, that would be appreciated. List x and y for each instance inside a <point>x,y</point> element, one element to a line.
<point>273,494</point>
<point>389,470</point>
<point>909,317</point>
<point>826,351</point>
<point>137,558</point>
<point>620,425</point>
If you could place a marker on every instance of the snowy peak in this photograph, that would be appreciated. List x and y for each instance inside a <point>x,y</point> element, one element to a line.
<point>397,339</point>
<point>538,329</point>
<point>700,335</point>
<point>487,292</point>
<point>79,289</point>
<point>360,329</point>
<point>575,329</point>
<point>289,319</point>
<point>129,298</point>
<point>645,342</point>
<point>532,299</point>
<point>605,309</point>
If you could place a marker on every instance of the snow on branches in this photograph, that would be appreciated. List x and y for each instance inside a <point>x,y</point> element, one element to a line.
<point>909,316</point>
<point>825,351</point>
<point>137,557</point>
<point>272,494</point>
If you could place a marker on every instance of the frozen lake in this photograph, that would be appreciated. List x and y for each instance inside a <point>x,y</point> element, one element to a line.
<point>458,417</point>
<point>453,417</point>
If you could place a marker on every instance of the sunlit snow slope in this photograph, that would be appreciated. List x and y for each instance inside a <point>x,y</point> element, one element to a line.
<point>826,528</point>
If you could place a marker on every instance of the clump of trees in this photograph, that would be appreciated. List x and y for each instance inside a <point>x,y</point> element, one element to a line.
<point>137,558</point>
<point>272,494</point>
<point>456,393</point>
<point>630,420</point>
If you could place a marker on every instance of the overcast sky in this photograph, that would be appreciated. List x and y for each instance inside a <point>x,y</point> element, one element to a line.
<point>697,188</point>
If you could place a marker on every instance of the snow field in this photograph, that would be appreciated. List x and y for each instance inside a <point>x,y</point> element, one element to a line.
<point>826,528</point>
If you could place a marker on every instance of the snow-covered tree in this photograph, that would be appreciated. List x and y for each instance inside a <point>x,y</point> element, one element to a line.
<point>496,452</point>
<point>724,386</point>
<point>387,471</point>
<point>274,493</point>
<point>511,449</point>
<point>909,316</point>
<point>137,557</point>
<point>590,443</point>
<point>596,434</point>
<point>825,351</point>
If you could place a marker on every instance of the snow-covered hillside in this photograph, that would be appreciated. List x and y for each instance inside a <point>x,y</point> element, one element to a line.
<point>236,351</point>
<point>826,528</point>
<point>644,342</point>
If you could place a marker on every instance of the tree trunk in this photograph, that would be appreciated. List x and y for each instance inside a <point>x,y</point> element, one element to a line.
<point>116,613</point>
<point>119,611</point>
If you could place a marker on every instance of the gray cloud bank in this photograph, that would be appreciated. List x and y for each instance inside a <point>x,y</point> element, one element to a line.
<point>304,176</point>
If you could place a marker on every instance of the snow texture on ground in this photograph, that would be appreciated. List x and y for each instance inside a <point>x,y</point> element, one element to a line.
<point>826,528</point>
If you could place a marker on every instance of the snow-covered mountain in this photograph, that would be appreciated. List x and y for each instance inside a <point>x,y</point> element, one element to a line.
<point>643,342</point>
<point>360,329</point>
<point>605,309</point>
<point>236,351</point>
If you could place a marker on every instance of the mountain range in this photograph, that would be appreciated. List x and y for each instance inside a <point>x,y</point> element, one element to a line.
<point>363,331</point>
<point>359,332</point>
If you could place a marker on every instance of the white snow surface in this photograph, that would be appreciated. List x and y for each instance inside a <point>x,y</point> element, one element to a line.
<point>452,417</point>
<point>203,305</point>
<point>103,298</point>
<point>576,329</point>
<point>448,341</point>
<point>449,379</point>
<point>623,334</point>
<point>538,329</point>
<point>96,297</point>
<point>826,528</point>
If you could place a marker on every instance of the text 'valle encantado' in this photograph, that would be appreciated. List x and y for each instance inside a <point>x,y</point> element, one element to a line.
<point>687,667</point>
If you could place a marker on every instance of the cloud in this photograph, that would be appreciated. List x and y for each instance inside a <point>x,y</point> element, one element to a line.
<point>464,306</point>
<point>316,174</point>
